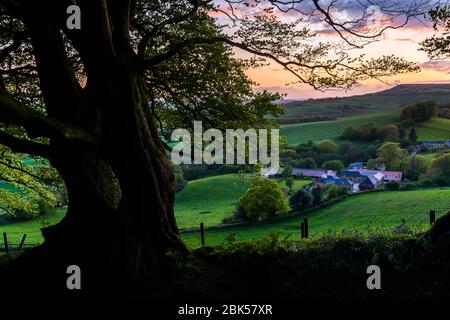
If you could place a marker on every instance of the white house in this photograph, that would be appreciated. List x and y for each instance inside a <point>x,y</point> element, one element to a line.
<point>269,172</point>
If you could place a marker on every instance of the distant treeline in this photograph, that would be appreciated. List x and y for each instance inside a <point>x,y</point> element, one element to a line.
<point>306,119</point>
<point>371,132</point>
<point>410,116</point>
<point>418,112</point>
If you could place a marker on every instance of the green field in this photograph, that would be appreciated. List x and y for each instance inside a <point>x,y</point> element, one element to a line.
<point>381,108</point>
<point>317,131</point>
<point>393,98</point>
<point>432,130</point>
<point>209,200</point>
<point>206,200</point>
<point>437,129</point>
<point>298,184</point>
<point>381,209</point>
<point>15,230</point>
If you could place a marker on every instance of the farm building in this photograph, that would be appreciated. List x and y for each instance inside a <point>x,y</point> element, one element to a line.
<point>369,181</point>
<point>372,182</point>
<point>348,184</point>
<point>313,173</point>
<point>388,175</point>
<point>424,146</point>
<point>271,172</point>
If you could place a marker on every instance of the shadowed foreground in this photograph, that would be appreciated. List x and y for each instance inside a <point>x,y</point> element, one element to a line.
<point>332,268</point>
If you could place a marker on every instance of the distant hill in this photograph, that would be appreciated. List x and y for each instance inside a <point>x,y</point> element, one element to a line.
<point>396,97</point>
<point>416,89</point>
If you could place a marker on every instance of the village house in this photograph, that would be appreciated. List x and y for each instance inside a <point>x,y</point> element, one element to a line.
<point>371,182</point>
<point>345,183</point>
<point>271,172</point>
<point>389,176</point>
<point>425,145</point>
<point>354,180</point>
<point>365,182</point>
<point>313,173</point>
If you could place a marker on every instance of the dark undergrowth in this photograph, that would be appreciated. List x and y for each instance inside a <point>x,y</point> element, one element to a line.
<point>332,268</point>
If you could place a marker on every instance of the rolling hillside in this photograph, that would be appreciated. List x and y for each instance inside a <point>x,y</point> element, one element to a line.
<point>385,210</point>
<point>206,200</point>
<point>393,98</point>
<point>209,200</point>
<point>316,131</point>
<point>381,108</point>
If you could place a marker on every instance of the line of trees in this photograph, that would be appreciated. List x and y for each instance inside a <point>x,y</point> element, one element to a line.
<point>418,112</point>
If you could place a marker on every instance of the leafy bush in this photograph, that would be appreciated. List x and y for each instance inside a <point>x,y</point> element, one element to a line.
<point>333,165</point>
<point>439,170</point>
<point>263,200</point>
<point>333,191</point>
<point>290,183</point>
<point>318,195</point>
<point>393,185</point>
<point>419,112</point>
<point>327,146</point>
<point>301,200</point>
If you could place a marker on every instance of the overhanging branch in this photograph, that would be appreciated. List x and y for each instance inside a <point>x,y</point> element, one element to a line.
<point>39,125</point>
<point>24,146</point>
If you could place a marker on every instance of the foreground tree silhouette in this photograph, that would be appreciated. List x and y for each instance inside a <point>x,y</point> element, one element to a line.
<point>95,102</point>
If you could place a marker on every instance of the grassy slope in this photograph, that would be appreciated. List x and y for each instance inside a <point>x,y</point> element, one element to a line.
<point>304,132</point>
<point>435,129</point>
<point>205,200</point>
<point>383,209</point>
<point>393,98</point>
<point>15,230</point>
<point>211,199</point>
<point>208,200</point>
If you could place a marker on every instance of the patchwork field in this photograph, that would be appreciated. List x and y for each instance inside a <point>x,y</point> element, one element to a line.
<point>316,131</point>
<point>384,210</point>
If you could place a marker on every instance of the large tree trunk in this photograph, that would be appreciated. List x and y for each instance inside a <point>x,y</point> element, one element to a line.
<point>118,237</point>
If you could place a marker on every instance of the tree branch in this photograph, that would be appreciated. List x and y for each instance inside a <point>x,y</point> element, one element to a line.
<point>24,146</point>
<point>37,124</point>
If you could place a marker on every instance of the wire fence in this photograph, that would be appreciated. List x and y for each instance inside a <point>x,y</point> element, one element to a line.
<point>15,245</point>
<point>17,241</point>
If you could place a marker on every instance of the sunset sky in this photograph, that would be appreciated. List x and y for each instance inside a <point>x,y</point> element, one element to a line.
<point>402,42</point>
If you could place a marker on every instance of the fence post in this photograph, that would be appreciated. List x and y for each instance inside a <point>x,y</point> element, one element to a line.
<point>432,217</point>
<point>202,234</point>
<point>302,230</point>
<point>23,241</point>
<point>305,221</point>
<point>5,240</point>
